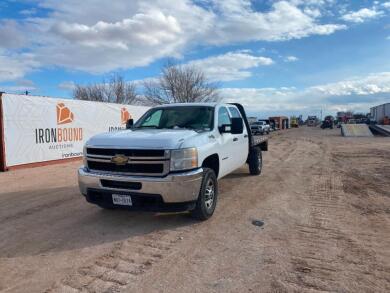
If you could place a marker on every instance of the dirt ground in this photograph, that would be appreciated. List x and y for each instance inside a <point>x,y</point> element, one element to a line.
<point>324,200</point>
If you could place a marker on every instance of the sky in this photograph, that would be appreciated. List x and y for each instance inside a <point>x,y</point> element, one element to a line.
<point>285,57</point>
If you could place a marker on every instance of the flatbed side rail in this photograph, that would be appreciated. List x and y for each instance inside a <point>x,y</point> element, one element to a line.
<point>260,141</point>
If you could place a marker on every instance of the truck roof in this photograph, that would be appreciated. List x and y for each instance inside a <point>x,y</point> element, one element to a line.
<point>190,104</point>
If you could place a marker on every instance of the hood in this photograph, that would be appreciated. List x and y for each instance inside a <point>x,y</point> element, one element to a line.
<point>143,139</point>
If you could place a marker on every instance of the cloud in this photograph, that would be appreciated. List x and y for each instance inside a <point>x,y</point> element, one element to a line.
<point>67,86</point>
<point>25,82</point>
<point>291,59</point>
<point>103,47</point>
<point>13,67</point>
<point>28,12</point>
<point>238,22</point>
<point>370,85</point>
<point>386,5</point>
<point>11,35</point>
<point>97,36</point>
<point>230,66</point>
<point>358,93</point>
<point>20,86</point>
<point>362,15</point>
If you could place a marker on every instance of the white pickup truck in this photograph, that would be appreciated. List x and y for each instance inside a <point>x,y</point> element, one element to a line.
<point>260,127</point>
<point>170,159</point>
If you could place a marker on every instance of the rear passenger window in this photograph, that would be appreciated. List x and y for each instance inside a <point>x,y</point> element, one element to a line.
<point>223,116</point>
<point>235,113</point>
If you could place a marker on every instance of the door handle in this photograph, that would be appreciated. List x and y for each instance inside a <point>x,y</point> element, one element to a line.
<point>235,139</point>
<point>246,135</point>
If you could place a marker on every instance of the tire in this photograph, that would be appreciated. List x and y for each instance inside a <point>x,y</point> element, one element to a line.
<point>207,199</point>
<point>255,161</point>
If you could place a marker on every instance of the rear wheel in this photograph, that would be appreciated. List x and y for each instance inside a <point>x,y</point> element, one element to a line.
<point>207,199</point>
<point>255,161</point>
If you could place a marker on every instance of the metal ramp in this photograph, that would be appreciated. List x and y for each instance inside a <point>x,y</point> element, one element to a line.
<point>356,130</point>
<point>381,129</point>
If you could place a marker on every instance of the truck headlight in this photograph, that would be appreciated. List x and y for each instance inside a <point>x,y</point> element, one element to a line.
<point>184,159</point>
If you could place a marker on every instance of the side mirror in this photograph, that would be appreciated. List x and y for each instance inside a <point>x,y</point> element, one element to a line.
<point>129,124</point>
<point>237,126</point>
<point>226,128</point>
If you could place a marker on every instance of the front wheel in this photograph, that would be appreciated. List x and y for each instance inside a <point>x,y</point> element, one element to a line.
<point>207,199</point>
<point>255,161</point>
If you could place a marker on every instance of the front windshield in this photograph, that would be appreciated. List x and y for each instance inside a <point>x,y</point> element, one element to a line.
<point>181,117</point>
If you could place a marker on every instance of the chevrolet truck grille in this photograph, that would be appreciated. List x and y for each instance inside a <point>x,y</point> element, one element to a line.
<point>140,162</point>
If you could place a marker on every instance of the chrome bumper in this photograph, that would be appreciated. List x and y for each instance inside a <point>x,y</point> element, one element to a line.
<point>174,188</point>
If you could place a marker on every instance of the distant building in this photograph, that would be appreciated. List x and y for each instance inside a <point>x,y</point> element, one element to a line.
<point>378,113</point>
<point>280,122</point>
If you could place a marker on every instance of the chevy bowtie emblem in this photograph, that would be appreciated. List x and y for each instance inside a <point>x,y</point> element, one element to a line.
<point>120,160</point>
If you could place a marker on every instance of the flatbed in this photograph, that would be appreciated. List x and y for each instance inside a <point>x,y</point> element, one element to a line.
<point>255,141</point>
<point>258,139</point>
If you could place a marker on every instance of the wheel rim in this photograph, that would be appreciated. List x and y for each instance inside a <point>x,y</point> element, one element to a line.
<point>209,194</point>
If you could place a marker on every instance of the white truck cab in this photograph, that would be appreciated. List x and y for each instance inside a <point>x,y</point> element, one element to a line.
<point>170,159</point>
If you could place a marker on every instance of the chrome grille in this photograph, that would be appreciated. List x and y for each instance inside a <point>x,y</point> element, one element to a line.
<point>140,161</point>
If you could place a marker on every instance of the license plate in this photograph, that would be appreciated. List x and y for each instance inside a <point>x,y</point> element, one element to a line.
<point>122,199</point>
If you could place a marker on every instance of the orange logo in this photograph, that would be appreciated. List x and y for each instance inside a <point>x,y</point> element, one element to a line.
<point>64,115</point>
<point>125,115</point>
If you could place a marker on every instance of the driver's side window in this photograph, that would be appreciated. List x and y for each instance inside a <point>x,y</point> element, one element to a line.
<point>223,117</point>
<point>153,119</point>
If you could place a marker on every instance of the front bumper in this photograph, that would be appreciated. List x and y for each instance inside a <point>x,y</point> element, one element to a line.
<point>172,189</point>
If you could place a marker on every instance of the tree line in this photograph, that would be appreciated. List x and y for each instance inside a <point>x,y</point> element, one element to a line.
<point>175,84</point>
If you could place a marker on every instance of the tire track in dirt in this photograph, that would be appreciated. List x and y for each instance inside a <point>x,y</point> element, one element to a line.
<point>327,252</point>
<point>314,263</point>
<point>126,262</point>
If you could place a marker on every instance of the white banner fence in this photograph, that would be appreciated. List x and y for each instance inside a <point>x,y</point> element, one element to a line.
<point>40,129</point>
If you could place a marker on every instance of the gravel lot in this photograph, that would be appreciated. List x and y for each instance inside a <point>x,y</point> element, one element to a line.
<point>324,200</point>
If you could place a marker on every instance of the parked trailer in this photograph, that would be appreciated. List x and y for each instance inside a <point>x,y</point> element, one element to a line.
<point>379,113</point>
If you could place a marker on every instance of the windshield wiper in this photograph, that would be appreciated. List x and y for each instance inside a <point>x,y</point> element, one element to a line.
<point>197,129</point>
<point>147,126</point>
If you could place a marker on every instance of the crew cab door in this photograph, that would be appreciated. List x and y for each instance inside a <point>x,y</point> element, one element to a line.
<point>226,146</point>
<point>240,141</point>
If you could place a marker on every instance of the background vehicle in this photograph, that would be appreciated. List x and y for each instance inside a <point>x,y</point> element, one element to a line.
<point>260,127</point>
<point>312,121</point>
<point>171,159</point>
<point>327,123</point>
<point>294,122</point>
